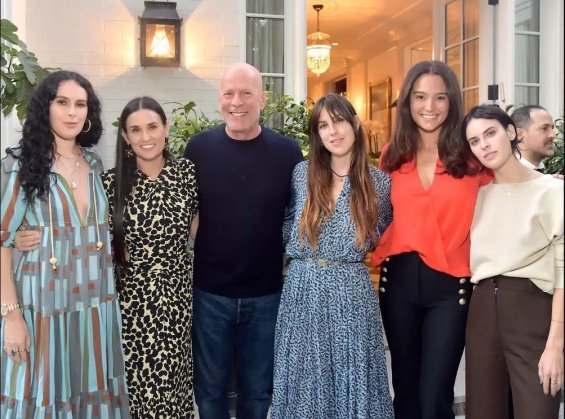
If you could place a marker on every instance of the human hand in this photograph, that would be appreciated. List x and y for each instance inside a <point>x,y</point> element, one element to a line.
<point>16,337</point>
<point>26,239</point>
<point>558,176</point>
<point>550,370</point>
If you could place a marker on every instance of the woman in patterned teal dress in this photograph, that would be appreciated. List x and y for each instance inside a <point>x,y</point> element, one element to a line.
<point>329,352</point>
<point>61,324</point>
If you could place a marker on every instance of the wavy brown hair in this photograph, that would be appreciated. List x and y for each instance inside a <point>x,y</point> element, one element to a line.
<point>453,154</point>
<point>319,204</point>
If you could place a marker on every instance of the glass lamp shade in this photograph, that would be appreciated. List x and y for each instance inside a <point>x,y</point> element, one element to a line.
<point>318,58</point>
<point>162,41</point>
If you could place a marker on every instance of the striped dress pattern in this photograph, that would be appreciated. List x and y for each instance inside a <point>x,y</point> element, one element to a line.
<point>76,366</point>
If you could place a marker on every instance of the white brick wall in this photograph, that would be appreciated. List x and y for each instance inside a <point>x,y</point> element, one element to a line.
<point>99,39</point>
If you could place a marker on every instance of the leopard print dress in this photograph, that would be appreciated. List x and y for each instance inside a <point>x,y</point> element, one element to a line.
<point>155,290</point>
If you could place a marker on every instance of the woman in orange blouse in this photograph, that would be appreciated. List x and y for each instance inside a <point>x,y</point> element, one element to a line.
<point>424,286</point>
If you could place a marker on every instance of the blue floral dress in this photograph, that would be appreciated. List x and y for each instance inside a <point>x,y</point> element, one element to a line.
<point>76,365</point>
<point>329,352</point>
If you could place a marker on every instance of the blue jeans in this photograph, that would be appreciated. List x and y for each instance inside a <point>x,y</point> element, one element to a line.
<point>224,327</point>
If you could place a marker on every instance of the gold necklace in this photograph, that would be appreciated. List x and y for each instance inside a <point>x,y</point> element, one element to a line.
<point>72,170</point>
<point>340,177</point>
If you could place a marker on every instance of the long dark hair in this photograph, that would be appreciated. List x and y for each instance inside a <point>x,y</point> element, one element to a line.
<point>404,141</point>
<point>126,167</point>
<point>37,146</point>
<point>319,203</point>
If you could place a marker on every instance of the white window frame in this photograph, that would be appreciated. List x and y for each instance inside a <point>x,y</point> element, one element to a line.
<point>294,40</point>
<point>440,46</point>
<point>551,64</point>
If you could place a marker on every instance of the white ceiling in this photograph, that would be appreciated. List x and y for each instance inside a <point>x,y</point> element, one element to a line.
<point>365,28</point>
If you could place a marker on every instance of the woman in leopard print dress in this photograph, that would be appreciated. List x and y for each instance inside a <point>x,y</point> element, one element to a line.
<point>153,200</point>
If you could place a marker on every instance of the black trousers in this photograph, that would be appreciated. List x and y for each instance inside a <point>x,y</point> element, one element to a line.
<point>424,314</point>
<point>508,325</point>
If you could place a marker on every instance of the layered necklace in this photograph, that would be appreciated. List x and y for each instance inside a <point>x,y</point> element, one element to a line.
<point>340,177</point>
<point>71,165</point>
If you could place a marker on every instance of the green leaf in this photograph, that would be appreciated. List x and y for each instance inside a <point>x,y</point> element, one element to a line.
<point>8,31</point>
<point>29,64</point>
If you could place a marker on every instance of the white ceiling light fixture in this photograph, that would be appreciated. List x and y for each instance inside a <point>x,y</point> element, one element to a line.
<point>318,53</point>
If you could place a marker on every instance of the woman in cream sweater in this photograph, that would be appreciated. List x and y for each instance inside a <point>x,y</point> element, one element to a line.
<point>515,326</point>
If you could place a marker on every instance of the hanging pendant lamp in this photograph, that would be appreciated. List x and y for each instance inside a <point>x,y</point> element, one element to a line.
<point>318,53</point>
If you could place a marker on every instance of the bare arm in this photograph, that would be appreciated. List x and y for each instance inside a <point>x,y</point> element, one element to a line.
<point>16,334</point>
<point>194,227</point>
<point>550,366</point>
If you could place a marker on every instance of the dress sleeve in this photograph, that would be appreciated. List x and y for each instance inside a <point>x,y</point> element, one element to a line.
<point>108,179</point>
<point>13,202</point>
<point>557,242</point>
<point>192,188</point>
<point>291,207</point>
<point>382,185</point>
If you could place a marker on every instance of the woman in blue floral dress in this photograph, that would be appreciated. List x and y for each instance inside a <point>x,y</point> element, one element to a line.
<point>329,352</point>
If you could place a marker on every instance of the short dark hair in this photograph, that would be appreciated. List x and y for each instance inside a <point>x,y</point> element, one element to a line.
<point>492,112</point>
<point>522,116</point>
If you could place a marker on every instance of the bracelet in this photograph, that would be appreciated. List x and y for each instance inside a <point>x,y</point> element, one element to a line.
<point>6,309</point>
<point>558,321</point>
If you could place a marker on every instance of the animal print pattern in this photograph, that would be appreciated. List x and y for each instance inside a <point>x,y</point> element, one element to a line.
<point>329,352</point>
<point>155,291</point>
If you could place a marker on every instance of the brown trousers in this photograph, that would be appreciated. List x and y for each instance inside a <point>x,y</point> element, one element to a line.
<point>507,329</point>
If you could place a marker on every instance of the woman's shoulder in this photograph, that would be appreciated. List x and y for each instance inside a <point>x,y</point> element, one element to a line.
<point>183,164</point>
<point>94,160</point>
<point>109,175</point>
<point>301,169</point>
<point>379,175</point>
<point>554,185</point>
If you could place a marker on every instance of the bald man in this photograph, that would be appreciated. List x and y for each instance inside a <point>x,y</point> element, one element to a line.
<point>243,171</point>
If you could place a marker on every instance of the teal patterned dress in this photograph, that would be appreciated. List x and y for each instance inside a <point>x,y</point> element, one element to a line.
<point>76,366</point>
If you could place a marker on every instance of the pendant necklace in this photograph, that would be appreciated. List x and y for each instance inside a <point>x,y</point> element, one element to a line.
<point>340,177</point>
<point>73,158</point>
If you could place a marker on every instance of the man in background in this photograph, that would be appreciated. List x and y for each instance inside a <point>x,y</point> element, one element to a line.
<point>536,133</point>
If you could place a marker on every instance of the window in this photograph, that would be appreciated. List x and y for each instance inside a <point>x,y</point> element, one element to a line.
<point>265,22</point>
<point>461,46</point>
<point>527,52</point>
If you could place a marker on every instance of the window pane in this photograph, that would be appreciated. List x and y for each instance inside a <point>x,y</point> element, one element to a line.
<point>276,86</point>
<point>471,63</point>
<point>453,60</point>
<point>471,10</point>
<point>265,41</point>
<point>527,15</point>
<point>526,95</point>
<point>269,7</point>
<point>526,59</point>
<point>470,99</point>
<point>453,23</point>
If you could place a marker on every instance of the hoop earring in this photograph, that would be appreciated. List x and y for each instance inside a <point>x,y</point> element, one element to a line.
<point>89,126</point>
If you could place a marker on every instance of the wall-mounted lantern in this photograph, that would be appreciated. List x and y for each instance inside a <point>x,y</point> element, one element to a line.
<point>160,35</point>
